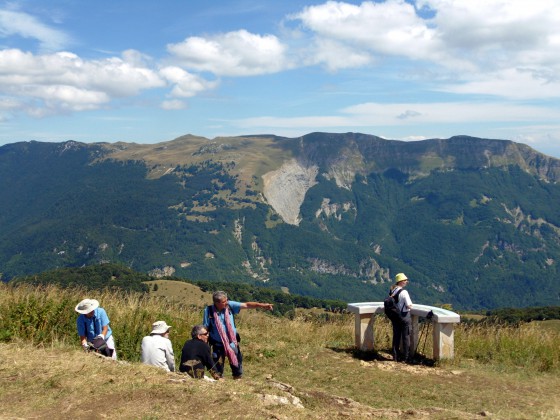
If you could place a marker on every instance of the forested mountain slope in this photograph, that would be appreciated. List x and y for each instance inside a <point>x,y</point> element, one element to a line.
<point>473,222</point>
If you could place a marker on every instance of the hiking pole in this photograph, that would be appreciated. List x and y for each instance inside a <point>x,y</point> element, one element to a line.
<point>425,335</point>
<point>420,338</point>
<point>428,318</point>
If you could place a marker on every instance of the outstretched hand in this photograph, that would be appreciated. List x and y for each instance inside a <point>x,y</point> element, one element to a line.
<point>257,305</point>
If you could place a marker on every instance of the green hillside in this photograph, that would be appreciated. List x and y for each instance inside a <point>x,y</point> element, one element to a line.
<point>475,223</point>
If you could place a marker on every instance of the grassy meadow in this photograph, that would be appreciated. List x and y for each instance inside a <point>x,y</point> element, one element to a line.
<point>303,367</point>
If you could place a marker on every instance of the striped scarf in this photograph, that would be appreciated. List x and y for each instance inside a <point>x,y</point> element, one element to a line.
<point>227,337</point>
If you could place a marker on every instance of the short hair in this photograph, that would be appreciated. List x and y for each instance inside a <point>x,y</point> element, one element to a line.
<point>218,296</point>
<point>197,330</point>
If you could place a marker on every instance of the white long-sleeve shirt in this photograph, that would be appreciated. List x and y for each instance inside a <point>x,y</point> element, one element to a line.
<point>158,351</point>
<point>405,303</point>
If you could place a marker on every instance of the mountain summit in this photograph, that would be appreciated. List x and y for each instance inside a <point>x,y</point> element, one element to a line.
<point>473,222</point>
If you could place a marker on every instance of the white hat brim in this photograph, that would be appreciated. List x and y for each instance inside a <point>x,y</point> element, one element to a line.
<point>86,306</point>
<point>161,329</point>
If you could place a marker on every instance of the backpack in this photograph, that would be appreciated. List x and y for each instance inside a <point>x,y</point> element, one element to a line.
<point>390,306</point>
<point>99,345</point>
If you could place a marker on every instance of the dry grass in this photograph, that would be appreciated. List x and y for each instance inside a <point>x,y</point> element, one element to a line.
<point>67,384</point>
<point>549,324</point>
<point>263,157</point>
<point>529,346</point>
<point>306,360</point>
<point>180,292</point>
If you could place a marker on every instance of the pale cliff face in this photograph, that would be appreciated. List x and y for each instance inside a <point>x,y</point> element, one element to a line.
<point>285,188</point>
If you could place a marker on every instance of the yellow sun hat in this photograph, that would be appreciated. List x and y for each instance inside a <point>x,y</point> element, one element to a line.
<point>400,277</point>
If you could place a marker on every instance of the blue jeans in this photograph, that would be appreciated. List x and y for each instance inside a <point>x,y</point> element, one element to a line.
<point>219,357</point>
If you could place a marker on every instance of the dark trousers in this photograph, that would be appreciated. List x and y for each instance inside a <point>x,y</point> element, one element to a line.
<point>402,329</point>
<point>219,357</point>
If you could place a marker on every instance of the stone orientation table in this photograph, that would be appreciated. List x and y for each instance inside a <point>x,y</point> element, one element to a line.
<point>442,320</point>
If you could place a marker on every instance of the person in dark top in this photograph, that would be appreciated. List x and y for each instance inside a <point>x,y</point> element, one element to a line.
<point>196,355</point>
<point>402,327</point>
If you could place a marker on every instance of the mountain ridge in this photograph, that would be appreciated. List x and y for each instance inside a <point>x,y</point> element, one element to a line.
<point>494,152</point>
<point>326,215</point>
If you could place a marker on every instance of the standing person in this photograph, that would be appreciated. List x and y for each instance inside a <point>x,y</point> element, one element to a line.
<point>157,349</point>
<point>196,355</point>
<point>224,339</point>
<point>92,324</point>
<point>402,328</point>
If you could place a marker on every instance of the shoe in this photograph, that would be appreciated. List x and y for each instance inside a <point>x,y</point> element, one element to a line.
<point>238,377</point>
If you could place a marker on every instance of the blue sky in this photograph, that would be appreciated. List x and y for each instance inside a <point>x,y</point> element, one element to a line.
<point>144,71</point>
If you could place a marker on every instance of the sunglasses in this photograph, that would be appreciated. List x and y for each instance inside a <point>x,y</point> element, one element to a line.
<point>206,333</point>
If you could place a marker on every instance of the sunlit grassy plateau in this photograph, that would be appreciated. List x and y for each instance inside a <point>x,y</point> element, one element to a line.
<point>302,367</point>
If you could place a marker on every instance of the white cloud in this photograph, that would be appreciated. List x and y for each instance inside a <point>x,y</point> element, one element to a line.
<point>186,84</point>
<point>173,104</point>
<point>14,23</point>
<point>136,58</point>
<point>379,114</point>
<point>536,135</point>
<point>7,108</point>
<point>410,114</point>
<point>237,53</point>
<point>70,97</point>
<point>466,39</point>
<point>482,32</point>
<point>414,138</point>
<point>466,48</point>
<point>65,82</point>
<point>336,55</point>
<point>499,33</point>
<point>510,83</point>
<point>391,28</point>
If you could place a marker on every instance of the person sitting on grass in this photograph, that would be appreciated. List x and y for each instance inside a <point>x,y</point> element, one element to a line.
<point>157,349</point>
<point>196,356</point>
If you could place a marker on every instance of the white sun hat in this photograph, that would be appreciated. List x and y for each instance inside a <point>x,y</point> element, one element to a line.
<point>86,306</point>
<point>160,327</point>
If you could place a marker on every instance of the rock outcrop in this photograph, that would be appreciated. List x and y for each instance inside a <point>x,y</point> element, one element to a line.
<point>285,188</point>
